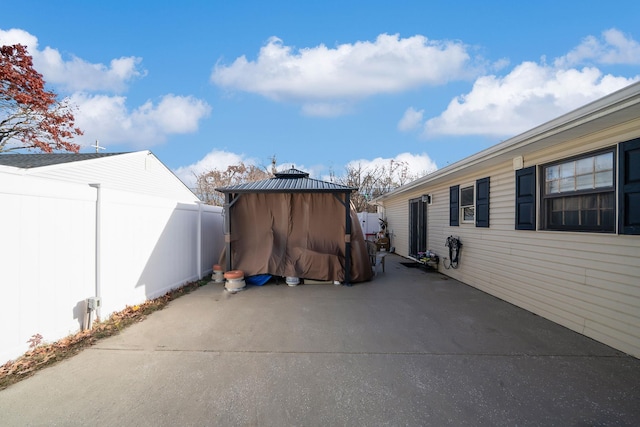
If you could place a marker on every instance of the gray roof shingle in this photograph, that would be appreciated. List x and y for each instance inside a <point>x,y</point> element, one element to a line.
<point>28,161</point>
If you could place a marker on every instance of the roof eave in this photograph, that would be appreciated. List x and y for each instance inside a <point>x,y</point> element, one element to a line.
<point>628,97</point>
<point>275,191</point>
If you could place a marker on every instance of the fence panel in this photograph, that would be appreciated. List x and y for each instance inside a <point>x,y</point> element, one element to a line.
<point>147,246</point>
<point>212,236</point>
<point>48,261</point>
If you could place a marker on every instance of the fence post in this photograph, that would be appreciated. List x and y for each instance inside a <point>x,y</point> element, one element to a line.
<point>98,247</point>
<point>199,241</point>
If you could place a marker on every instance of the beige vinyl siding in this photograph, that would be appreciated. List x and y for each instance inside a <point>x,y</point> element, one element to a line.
<point>397,214</point>
<point>437,216</point>
<point>588,282</point>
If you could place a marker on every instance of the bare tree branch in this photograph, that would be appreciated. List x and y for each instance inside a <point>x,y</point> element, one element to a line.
<point>207,182</point>
<point>374,181</point>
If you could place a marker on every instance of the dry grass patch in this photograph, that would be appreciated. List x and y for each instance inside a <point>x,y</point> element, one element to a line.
<point>43,355</point>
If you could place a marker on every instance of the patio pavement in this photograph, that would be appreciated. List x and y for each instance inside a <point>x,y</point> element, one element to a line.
<point>409,348</point>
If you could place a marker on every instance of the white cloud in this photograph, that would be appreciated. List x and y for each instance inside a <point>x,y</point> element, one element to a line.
<point>215,160</point>
<point>79,75</point>
<point>528,96</point>
<point>315,171</point>
<point>350,72</point>
<point>18,36</point>
<point>173,114</point>
<point>613,48</point>
<point>108,119</point>
<point>411,120</point>
<point>75,74</point>
<point>533,93</point>
<point>326,109</point>
<point>500,64</point>
<point>417,164</point>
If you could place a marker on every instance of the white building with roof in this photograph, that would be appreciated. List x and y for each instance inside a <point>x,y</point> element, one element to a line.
<point>117,226</point>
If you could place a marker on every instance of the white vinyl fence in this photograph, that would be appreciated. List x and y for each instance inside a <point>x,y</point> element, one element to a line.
<point>370,224</point>
<point>62,243</point>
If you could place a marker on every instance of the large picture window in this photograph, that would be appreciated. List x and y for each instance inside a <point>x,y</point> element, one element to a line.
<point>578,194</point>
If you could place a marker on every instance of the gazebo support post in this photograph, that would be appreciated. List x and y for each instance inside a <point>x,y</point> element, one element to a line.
<point>347,243</point>
<point>347,236</point>
<point>229,201</point>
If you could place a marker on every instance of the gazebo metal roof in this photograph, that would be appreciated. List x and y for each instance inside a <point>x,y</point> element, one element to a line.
<point>288,181</point>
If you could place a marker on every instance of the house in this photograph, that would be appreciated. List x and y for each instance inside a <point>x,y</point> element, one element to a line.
<point>113,228</point>
<point>295,226</point>
<point>549,220</point>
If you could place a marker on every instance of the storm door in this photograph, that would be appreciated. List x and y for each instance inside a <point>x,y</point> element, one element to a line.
<point>417,226</point>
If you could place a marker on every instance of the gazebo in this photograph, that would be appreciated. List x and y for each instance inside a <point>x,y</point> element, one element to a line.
<point>294,226</point>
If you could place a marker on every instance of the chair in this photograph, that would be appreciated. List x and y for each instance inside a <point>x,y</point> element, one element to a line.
<point>371,250</point>
<point>374,255</point>
<point>382,244</point>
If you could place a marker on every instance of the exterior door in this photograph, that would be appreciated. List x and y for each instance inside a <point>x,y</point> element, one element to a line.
<point>417,227</point>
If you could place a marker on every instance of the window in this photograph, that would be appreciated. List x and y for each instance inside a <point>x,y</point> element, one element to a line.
<point>579,194</point>
<point>467,204</point>
<point>471,203</point>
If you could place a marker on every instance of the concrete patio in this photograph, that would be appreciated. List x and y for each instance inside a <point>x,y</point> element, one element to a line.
<point>409,348</point>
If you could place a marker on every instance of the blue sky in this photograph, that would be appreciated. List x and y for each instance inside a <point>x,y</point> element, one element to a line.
<point>320,85</point>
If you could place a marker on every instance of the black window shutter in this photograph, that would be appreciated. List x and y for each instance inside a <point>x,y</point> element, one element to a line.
<point>482,202</point>
<point>629,187</point>
<point>526,199</point>
<point>454,205</point>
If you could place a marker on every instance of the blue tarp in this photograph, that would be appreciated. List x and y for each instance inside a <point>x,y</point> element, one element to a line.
<point>257,280</point>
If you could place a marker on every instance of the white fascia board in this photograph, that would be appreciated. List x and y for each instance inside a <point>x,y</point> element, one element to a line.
<point>173,174</point>
<point>625,98</point>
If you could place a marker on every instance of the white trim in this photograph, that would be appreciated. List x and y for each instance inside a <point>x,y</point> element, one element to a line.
<point>473,203</point>
<point>617,108</point>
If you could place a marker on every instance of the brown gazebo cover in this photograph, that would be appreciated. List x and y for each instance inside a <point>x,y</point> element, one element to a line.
<point>295,233</point>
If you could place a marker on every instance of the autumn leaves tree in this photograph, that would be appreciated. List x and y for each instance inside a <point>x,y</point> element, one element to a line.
<point>31,117</point>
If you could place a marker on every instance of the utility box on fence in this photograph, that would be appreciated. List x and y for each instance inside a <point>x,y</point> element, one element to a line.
<point>93,303</point>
